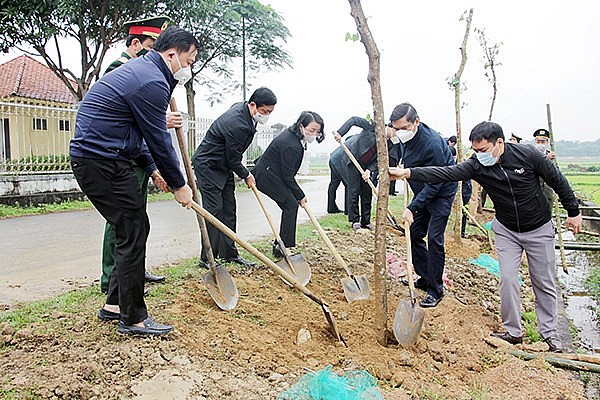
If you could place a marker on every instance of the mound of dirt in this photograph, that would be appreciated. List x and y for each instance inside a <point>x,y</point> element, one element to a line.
<point>256,352</point>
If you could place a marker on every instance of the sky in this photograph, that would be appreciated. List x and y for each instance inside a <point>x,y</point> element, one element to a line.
<point>549,55</point>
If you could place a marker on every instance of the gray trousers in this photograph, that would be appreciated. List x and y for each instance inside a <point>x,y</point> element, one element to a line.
<point>539,248</point>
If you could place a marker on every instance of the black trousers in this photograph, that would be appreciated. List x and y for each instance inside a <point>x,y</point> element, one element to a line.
<point>221,204</point>
<point>289,209</point>
<point>114,190</point>
<point>358,191</point>
<point>334,183</point>
<point>429,259</point>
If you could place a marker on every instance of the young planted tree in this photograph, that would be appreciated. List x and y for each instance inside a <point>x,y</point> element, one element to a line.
<point>458,87</point>
<point>490,52</point>
<point>373,77</point>
<point>48,28</point>
<point>490,62</point>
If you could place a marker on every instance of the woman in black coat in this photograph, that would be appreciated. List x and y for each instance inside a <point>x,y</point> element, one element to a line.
<point>276,169</point>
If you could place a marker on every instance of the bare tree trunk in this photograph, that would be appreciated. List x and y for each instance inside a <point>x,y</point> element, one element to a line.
<point>457,106</point>
<point>191,106</point>
<point>494,91</point>
<point>380,288</point>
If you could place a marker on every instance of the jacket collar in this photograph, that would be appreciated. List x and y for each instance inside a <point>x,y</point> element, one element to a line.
<point>157,59</point>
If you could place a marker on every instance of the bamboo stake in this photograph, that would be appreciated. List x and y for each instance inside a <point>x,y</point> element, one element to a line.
<point>563,259</point>
<point>556,360</point>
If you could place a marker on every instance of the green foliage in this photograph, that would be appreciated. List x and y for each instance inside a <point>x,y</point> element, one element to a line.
<point>39,24</point>
<point>479,392</point>
<point>39,163</point>
<point>530,322</point>
<point>352,37</point>
<point>592,281</point>
<point>223,28</point>
<point>587,186</point>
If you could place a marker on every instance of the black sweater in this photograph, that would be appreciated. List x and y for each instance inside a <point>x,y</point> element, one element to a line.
<point>513,185</point>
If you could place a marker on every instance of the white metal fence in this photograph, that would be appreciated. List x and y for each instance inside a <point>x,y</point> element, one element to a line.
<point>35,139</point>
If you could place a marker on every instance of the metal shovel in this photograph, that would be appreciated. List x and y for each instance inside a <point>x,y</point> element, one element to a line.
<point>355,287</point>
<point>274,267</point>
<point>409,316</point>
<point>295,264</point>
<point>390,217</point>
<point>218,281</point>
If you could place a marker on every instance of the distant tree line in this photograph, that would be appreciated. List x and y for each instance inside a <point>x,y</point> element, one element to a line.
<point>569,148</point>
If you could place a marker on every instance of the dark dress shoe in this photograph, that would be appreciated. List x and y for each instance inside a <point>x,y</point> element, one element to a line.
<point>239,260</point>
<point>148,277</point>
<point>334,211</point>
<point>554,344</point>
<point>205,264</point>
<point>430,301</point>
<point>277,253</point>
<point>419,283</point>
<point>507,337</point>
<point>150,327</point>
<point>105,315</point>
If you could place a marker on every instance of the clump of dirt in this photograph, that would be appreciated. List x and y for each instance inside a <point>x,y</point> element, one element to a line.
<point>254,351</point>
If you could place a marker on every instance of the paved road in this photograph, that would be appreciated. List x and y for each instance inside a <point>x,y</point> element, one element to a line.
<point>41,256</point>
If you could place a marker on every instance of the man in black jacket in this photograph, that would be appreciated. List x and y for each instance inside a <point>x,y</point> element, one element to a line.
<point>430,208</point>
<point>364,149</point>
<point>218,157</point>
<point>510,174</point>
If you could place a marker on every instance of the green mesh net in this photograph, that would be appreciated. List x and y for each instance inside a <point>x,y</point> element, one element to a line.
<point>327,385</point>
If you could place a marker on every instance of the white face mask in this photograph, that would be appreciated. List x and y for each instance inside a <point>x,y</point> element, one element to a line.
<point>261,118</point>
<point>405,135</point>
<point>487,159</point>
<point>542,148</point>
<point>394,139</point>
<point>184,74</point>
<point>308,137</point>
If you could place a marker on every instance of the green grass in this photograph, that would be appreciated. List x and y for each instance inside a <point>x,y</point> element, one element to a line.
<point>587,185</point>
<point>592,281</point>
<point>530,322</point>
<point>70,205</point>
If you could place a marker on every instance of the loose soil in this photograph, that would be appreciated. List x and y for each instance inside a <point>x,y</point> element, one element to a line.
<point>253,352</point>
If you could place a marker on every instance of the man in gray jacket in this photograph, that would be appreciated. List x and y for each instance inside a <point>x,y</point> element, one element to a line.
<point>510,174</point>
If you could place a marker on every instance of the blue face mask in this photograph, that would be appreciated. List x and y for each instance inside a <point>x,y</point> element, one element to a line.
<point>487,159</point>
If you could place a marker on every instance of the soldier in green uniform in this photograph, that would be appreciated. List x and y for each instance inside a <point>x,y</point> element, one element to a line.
<point>141,36</point>
<point>542,142</point>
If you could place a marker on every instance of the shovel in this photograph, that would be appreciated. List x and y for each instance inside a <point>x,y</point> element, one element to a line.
<point>218,281</point>
<point>274,267</point>
<point>355,287</point>
<point>390,217</point>
<point>409,316</point>
<point>294,265</point>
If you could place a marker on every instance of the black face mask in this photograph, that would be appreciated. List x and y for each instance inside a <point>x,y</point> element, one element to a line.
<point>141,52</point>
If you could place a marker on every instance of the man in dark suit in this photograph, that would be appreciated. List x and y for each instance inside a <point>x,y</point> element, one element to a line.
<point>364,149</point>
<point>337,167</point>
<point>218,157</point>
<point>430,208</point>
<point>141,35</point>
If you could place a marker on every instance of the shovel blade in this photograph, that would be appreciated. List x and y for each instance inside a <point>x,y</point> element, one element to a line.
<point>301,270</point>
<point>332,323</point>
<point>408,322</point>
<point>356,289</point>
<point>221,288</point>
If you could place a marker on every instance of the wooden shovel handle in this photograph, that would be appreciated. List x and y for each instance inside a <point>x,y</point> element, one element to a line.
<point>286,253</point>
<point>409,262</point>
<point>328,242</point>
<point>250,249</point>
<point>362,172</point>
<point>187,164</point>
